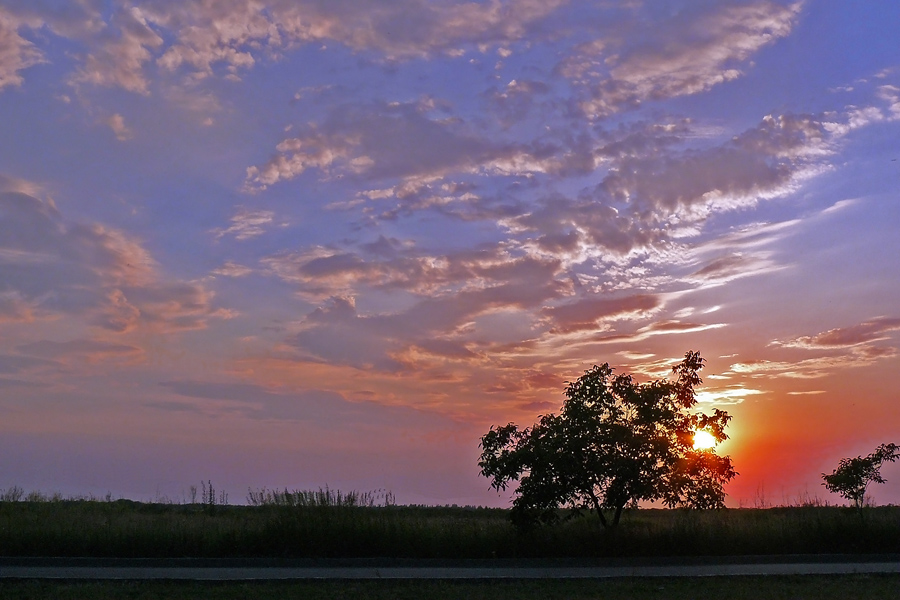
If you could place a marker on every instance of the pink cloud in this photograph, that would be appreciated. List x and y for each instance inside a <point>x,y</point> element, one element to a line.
<point>16,53</point>
<point>377,142</point>
<point>91,351</point>
<point>51,267</point>
<point>814,368</point>
<point>247,224</point>
<point>117,123</point>
<point>233,31</point>
<point>874,330</point>
<point>585,314</point>
<point>690,53</point>
<point>118,52</point>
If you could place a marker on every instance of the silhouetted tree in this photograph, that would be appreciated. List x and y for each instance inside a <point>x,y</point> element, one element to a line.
<point>854,475</point>
<point>615,442</point>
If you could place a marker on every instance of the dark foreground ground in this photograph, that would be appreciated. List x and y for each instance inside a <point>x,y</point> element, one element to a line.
<point>813,587</point>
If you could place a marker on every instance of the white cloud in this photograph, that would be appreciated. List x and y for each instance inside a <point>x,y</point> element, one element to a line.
<point>891,94</point>
<point>731,395</point>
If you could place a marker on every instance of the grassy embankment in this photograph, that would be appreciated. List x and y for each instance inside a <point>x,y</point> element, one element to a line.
<point>329,525</point>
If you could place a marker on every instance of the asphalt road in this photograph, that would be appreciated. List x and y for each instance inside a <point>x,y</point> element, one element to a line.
<point>273,569</point>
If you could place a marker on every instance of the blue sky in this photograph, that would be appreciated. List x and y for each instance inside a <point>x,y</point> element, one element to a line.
<point>299,243</point>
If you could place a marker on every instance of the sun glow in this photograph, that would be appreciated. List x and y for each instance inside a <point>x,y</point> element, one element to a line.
<point>704,440</point>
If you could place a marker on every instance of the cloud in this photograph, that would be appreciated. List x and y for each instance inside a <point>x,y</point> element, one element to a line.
<point>734,266</point>
<point>513,102</point>
<point>666,327</point>
<point>120,46</point>
<point>325,409</point>
<point>117,123</point>
<point>335,333</point>
<point>418,144</point>
<point>760,162</point>
<point>442,298</point>
<point>236,32</point>
<point>6,383</point>
<point>51,267</point>
<point>16,53</point>
<point>15,308</point>
<point>20,186</point>
<point>390,266</point>
<point>167,306</point>
<point>652,194</point>
<point>322,272</point>
<point>91,351</point>
<point>232,269</point>
<point>15,364</point>
<point>585,314</point>
<point>378,142</point>
<point>111,47</point>
<point>814,368</point>
<point>875,330</point>
<point>118,52</point>
<point>247,224</point>
<point>891,94</point>
<point>726,396</point>
<point>687,54</point>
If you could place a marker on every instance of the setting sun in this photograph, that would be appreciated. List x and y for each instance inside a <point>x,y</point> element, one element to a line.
<point>704,440</point>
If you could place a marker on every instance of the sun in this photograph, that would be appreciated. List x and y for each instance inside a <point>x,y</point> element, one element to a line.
<point>704,440</point>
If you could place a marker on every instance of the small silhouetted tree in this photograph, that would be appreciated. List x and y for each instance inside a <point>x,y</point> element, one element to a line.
<point>854,475</point>
<point>615,443</point>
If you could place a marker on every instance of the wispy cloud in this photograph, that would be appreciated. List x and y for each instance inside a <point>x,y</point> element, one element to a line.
<point>585,314</point>
<point>390,140</point>
<point>120,47</point>
<point>325,409</point>
<point>52,267</point>
<point>16,53</point>
<point>248,224</point>
<point>814,368</point>
<point>687,54</point>
<point>232,269</point>
<point>875,330</point>
<point>91,351</point>
<point>119,50</point>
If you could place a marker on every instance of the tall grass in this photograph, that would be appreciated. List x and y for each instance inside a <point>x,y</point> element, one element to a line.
<point>331,524</point>
<point>319,498</point>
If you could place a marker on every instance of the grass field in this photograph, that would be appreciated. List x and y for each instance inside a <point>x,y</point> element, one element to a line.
<point>123,528</point>
<point>870,587</point>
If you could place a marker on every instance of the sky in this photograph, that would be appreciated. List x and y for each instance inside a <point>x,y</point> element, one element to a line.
<point>299,243</point>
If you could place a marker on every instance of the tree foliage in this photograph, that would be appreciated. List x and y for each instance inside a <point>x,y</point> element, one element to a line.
<point>854,475</point>
<point>615,442</point>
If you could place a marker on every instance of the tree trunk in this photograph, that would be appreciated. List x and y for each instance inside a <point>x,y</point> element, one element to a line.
<point>599,510</point>
<point>618,515</point>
